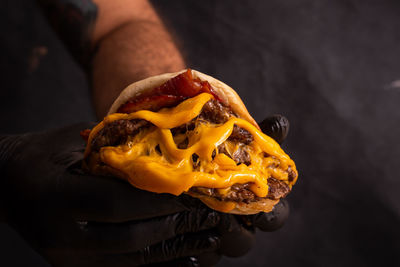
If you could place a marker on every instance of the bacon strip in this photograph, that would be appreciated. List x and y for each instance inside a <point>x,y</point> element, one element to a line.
<point>169,94</point>
<point>152,103</point>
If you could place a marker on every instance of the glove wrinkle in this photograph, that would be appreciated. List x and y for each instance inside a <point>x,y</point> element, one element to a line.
<point>8,145</point>
<point>194,221</point>
<point>179,247</point>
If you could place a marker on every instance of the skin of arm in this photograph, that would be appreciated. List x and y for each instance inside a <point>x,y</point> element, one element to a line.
<point>130,43</point>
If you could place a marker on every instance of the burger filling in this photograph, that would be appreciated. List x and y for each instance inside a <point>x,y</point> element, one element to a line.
<point>236,147</point>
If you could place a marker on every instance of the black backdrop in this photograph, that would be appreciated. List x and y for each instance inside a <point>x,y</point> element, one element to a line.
<point>332,67</point>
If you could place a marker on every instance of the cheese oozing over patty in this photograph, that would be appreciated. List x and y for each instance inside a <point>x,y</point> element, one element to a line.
<point>172,170</point>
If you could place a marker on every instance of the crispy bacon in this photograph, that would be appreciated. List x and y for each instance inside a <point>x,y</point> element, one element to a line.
<point>152,103</point>
<point>169,94</point>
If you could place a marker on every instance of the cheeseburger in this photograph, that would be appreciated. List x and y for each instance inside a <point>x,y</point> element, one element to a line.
<point>187,132</point>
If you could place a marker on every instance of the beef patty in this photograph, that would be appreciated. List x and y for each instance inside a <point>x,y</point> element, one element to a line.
<point>117,132</point>
<point>241,193</point>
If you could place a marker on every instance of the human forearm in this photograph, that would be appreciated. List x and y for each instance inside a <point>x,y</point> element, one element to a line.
<point>135,51</point>
<point>132,44</point>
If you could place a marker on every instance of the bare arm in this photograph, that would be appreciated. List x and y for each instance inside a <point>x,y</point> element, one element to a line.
<point>131,44</point>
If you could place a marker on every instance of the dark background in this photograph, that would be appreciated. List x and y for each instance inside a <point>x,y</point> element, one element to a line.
<point>331,67</point>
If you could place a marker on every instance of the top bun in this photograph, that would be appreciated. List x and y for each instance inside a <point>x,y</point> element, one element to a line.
<point>228,96</point>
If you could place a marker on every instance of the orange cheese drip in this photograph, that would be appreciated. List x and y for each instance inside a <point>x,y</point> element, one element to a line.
<point>171,171</point>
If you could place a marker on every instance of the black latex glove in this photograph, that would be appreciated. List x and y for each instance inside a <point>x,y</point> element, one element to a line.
<point>75,219</point>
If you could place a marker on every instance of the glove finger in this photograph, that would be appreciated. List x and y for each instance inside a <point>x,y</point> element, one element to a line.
<point>209,258</point>
<point>275,126</point>
<point>183,262</point>
<point>132,236</point>
<point>273,220</point>
<point>205,259</point>
<point>236,240</point>
<point>109,199</point>
<point>184,246</point>
<point>125,260</point>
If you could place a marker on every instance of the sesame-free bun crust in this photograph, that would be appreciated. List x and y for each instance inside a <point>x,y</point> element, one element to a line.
<point>240,208</point>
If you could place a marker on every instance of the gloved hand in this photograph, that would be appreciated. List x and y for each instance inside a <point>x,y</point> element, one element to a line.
<point>75,219</point>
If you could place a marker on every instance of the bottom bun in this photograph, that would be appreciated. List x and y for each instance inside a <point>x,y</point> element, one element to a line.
<point>241,208</point>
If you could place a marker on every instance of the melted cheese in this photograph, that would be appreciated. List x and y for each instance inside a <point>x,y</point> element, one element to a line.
<point>171,171</point>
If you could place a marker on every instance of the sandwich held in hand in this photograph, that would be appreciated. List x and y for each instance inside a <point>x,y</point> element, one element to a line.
<point>187,132</point>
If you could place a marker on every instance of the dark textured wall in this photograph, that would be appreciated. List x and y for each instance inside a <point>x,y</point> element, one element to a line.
<point>332,67</point>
